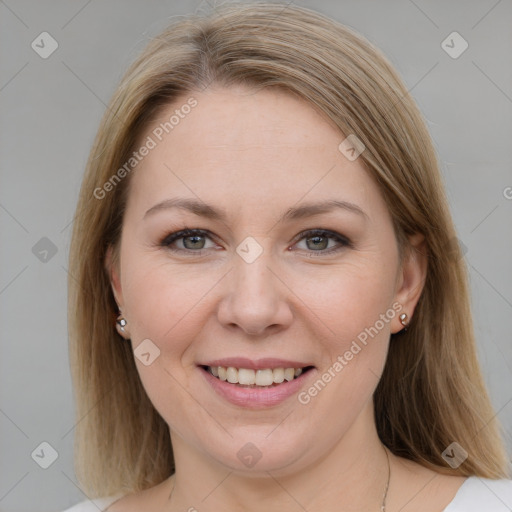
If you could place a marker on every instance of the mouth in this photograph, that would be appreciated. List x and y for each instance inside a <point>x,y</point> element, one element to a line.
<point>256,378</point>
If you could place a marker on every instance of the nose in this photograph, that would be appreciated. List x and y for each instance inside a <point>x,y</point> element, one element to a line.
<point>256,299</point>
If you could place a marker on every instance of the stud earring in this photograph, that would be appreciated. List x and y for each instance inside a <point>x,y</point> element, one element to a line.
<point>404,320</point>
<point>121,324</point>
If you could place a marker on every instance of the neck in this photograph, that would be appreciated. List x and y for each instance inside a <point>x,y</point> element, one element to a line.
<point>352,475</point>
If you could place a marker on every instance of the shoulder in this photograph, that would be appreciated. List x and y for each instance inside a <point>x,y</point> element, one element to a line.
<point>97,505</point>
<point>477,494</point>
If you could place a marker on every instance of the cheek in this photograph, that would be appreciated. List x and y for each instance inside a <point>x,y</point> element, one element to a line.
<point>349,297</point>
<point>167,303</point>
<point>162,308</point>
<point>354,307</point>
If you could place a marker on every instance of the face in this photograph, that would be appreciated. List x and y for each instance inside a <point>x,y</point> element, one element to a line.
<point>264,283</point>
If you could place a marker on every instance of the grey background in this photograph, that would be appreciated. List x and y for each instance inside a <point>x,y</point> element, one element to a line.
<point>51,109</point>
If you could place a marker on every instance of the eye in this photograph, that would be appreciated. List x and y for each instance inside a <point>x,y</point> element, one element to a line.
<point>192,241</point>
<point>318,239</point>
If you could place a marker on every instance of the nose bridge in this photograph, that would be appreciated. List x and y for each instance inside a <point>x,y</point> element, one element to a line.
<point>253,280</point>
<point>255,297</point>
<point>253,277</point>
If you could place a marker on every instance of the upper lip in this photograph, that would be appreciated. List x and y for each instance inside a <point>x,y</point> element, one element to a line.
<point>258,364</point>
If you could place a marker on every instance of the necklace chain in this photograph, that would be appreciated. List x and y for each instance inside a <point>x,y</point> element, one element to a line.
<point>383,506</point>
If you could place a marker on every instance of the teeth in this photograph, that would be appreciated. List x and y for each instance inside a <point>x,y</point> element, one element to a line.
<point>247,377</point>
<point>278,375</point>
<point>289,373</point>
<point>264,377</point>
<point>232,374</point>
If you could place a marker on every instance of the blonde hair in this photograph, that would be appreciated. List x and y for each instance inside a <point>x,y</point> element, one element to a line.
<point>431,392</point>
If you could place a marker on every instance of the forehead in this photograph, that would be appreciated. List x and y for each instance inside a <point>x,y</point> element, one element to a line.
<point>247,148</point>
<point>237,120</point>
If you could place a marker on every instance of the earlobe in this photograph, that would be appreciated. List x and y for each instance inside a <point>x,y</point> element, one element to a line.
<point>411,279</point>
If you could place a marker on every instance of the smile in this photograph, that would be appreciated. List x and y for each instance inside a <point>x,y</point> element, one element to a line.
<point>259,388</point>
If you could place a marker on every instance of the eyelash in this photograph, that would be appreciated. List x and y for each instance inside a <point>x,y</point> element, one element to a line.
<point>184,233</point>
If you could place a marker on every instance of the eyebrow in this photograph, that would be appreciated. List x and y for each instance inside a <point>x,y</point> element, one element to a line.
<point>205,210</point>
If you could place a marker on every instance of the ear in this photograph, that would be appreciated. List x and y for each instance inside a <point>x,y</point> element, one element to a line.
<point>411,279</point>
<point>112,268</point>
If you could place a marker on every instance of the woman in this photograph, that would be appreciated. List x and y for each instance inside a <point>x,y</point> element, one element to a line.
<point>267,305</point>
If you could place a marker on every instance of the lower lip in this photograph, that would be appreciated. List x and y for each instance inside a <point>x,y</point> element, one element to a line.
<point>255,398</point>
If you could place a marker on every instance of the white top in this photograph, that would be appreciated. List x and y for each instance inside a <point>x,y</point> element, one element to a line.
<point>474,495</point>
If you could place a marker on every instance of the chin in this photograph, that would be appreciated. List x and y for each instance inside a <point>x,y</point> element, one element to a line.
<point>256,455</point>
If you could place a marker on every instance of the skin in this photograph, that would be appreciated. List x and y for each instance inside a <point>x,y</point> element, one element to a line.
<point>255,155</point>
